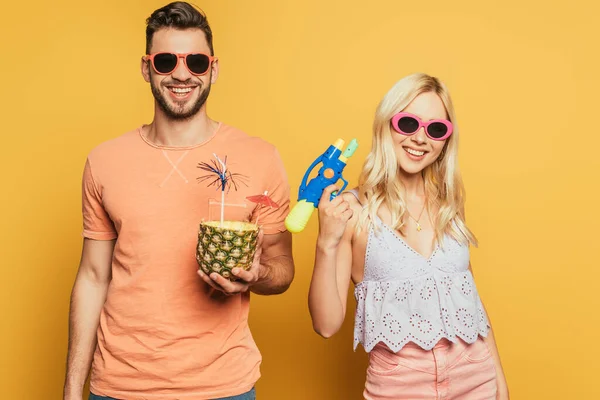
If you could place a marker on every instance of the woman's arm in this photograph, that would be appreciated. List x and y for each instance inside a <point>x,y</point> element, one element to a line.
<point>490,340</point>
<point>328,292</point>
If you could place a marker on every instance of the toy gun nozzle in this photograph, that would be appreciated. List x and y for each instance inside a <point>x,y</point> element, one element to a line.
<point>339,144</point>
<point>352,146</point>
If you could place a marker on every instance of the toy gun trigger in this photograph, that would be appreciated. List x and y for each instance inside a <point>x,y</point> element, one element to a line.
<point>336,193</point>
<point>345,184</point>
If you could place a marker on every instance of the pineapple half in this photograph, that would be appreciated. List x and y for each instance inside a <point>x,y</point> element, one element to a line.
<point>222,248</point>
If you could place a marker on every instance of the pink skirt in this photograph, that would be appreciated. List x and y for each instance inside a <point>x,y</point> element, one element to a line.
<point>457,371</point>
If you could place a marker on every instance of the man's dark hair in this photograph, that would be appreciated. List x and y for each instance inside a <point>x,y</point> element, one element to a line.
<point>178,15</point>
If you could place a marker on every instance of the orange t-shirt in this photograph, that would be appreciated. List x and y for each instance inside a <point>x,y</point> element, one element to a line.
<point>162,333</point>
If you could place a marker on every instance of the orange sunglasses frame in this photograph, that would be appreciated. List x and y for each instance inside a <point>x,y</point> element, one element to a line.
<point>180,56</point>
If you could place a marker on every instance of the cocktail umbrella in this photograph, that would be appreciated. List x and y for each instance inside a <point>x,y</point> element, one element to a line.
<point>262,200</point>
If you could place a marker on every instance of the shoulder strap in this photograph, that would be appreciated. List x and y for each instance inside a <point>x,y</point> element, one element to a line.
<point>355,193</point>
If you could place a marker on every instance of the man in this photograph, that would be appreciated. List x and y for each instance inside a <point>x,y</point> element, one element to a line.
<point>141,316</point>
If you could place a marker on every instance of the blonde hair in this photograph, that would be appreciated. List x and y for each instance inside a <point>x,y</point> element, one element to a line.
<point>379,181</point>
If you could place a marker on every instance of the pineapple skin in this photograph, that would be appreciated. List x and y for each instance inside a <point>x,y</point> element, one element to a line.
<point>221,249</point>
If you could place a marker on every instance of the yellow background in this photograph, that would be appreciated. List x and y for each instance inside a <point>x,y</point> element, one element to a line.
<point>524,78</point>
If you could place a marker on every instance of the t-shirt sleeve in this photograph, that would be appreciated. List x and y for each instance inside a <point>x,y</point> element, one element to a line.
<point>97,224</point>
<point>272,220</point>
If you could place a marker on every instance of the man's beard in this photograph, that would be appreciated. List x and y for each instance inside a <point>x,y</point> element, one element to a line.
<point>177,111</point>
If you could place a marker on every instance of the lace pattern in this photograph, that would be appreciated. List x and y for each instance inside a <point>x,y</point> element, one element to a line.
<point>406,297</point>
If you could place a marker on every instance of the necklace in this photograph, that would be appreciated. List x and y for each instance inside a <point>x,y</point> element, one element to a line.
<point>417,220</point>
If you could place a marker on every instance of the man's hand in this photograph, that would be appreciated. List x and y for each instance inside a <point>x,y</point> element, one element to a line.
<point>255,274</point>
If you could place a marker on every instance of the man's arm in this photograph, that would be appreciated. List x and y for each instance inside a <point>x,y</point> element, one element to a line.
<point>87,298</point>
<point>277,265</point>
<point>271,273</point>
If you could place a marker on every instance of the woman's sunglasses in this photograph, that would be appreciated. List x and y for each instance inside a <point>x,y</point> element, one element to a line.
<point>165,63</point>
<point>409,124</point>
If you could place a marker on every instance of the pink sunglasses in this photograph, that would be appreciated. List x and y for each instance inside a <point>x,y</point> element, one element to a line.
<point>408,124</point>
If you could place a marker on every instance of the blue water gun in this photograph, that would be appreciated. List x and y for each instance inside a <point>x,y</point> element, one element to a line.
<point>334,162</point>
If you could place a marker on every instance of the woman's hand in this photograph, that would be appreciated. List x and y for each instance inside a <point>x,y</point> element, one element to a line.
<point>333,218</point>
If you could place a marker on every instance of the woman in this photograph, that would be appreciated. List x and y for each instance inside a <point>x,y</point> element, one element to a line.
<point>401,237</point>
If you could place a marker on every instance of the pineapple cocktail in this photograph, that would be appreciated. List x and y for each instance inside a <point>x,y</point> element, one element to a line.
<point>223,246</point>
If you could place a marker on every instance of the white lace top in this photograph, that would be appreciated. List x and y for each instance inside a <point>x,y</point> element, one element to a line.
<point>405,297</point>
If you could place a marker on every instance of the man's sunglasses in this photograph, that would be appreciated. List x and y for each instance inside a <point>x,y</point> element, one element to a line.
<point>165,63</point>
